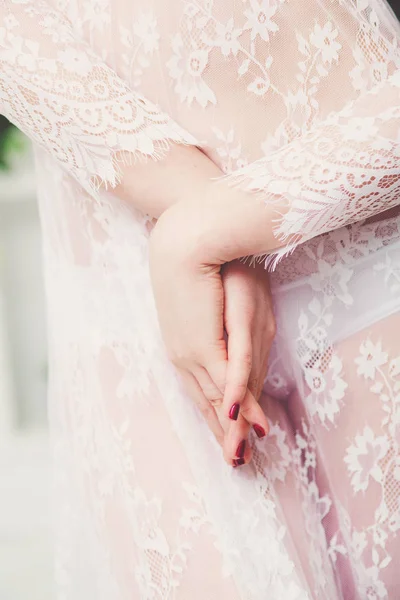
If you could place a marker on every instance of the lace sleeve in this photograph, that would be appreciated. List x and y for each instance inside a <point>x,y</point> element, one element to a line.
<point>58,92</point>
<point>344,170</point>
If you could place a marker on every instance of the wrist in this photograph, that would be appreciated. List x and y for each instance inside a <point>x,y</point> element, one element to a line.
<point>155,186</point>
<point>181,233</point>
<point>225,225</point>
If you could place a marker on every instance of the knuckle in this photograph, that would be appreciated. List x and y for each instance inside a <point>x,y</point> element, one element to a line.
<point>211,393</point>
<point>253,384</point>
<point>246,411</point>
<point>206,410</point>
<point>240,387</point>
<point>216,402</point>
<point>247,358</point>
<point>179,360</point>
<point>179,364</point>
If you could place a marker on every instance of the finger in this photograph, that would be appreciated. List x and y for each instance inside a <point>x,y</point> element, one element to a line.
<point>254,416</point>
<point>238,370</point>
<point>240,453</point>
<point>209,388</point>
<point>254,385</point>
<point>243,452</point>
<point>212,392</point>
<point>253,413</point>
<point>240,450</point>
<point>194,391</point>
<point>262,340</point>
<point>217,371</point>
<point>258,374</point>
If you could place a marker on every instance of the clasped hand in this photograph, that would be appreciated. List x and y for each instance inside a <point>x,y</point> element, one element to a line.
<point>217,324</point>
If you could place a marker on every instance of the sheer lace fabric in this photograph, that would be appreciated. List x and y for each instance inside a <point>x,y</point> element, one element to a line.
<point>298,101</point>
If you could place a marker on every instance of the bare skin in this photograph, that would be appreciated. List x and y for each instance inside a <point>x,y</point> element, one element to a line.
<point>215,315</point>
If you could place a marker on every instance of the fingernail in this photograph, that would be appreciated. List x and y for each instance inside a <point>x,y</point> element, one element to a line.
<point>260,431</point>
<point>238,462</point>
<point>234,412</point>
<point>241,449</point>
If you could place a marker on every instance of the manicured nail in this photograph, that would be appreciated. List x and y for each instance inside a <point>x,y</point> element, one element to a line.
<point>241,449</point>
<point>260,431</point>
<point>234,412</point>
<point>238,462</point>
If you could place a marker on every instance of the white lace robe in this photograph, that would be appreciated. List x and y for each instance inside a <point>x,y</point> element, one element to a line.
<point>294,99</point>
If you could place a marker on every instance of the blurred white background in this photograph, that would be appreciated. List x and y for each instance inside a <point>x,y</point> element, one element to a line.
<point>25,517</point>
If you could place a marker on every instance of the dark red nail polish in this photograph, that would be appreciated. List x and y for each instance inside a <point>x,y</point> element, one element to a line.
<point>234,412</point>
<point>238,462</point>
<point>260,431</point>
<point>241,449</point>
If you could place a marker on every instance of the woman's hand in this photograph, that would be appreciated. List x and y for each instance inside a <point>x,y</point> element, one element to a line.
<point>190,303</point>
<point>190,312</point>
<point>250,326</point>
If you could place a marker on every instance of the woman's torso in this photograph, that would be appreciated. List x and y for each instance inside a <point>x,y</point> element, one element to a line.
<point>246,78</point>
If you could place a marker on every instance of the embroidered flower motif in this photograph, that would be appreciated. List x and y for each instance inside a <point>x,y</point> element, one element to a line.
<point>97,13</point>
<point>315,380</point>
<point>145,29</point>
<point>144,580</point>
<point>230,152</point>
<point>259,86</point>
<point>358,543</point>
<point>275,141</point>
<point>149,514</point>
<point>186,68</point>
<point>276,381</point>
<point>391,273</point>
<point>332,280</point>
<point>394,521</point>
<point>396,469</point>
<point>358,78</point>
<point>298,109</point>
<point>58,32</point>
<point>75,61</point>
<point>310,460</point>
<point>327,388</point>
<point>373,587</point>
<point>25,54</point>
<point>322,504</point>
<point>10,22</point>
<point>361,129</point>
<point>259,19</point>
<point>378,71</point>
<point>227,38</point>
<point>363,458</point>
<point>276,453</point>
<point>324,38</point>
<point>372,357</point>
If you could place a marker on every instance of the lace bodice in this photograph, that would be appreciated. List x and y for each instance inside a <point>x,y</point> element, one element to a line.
<point>85,86</point>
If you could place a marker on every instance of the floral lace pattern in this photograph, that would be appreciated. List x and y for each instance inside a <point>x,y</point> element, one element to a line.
<point>79,109</point>
<point>298,102</point>
<point>342,450</point>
